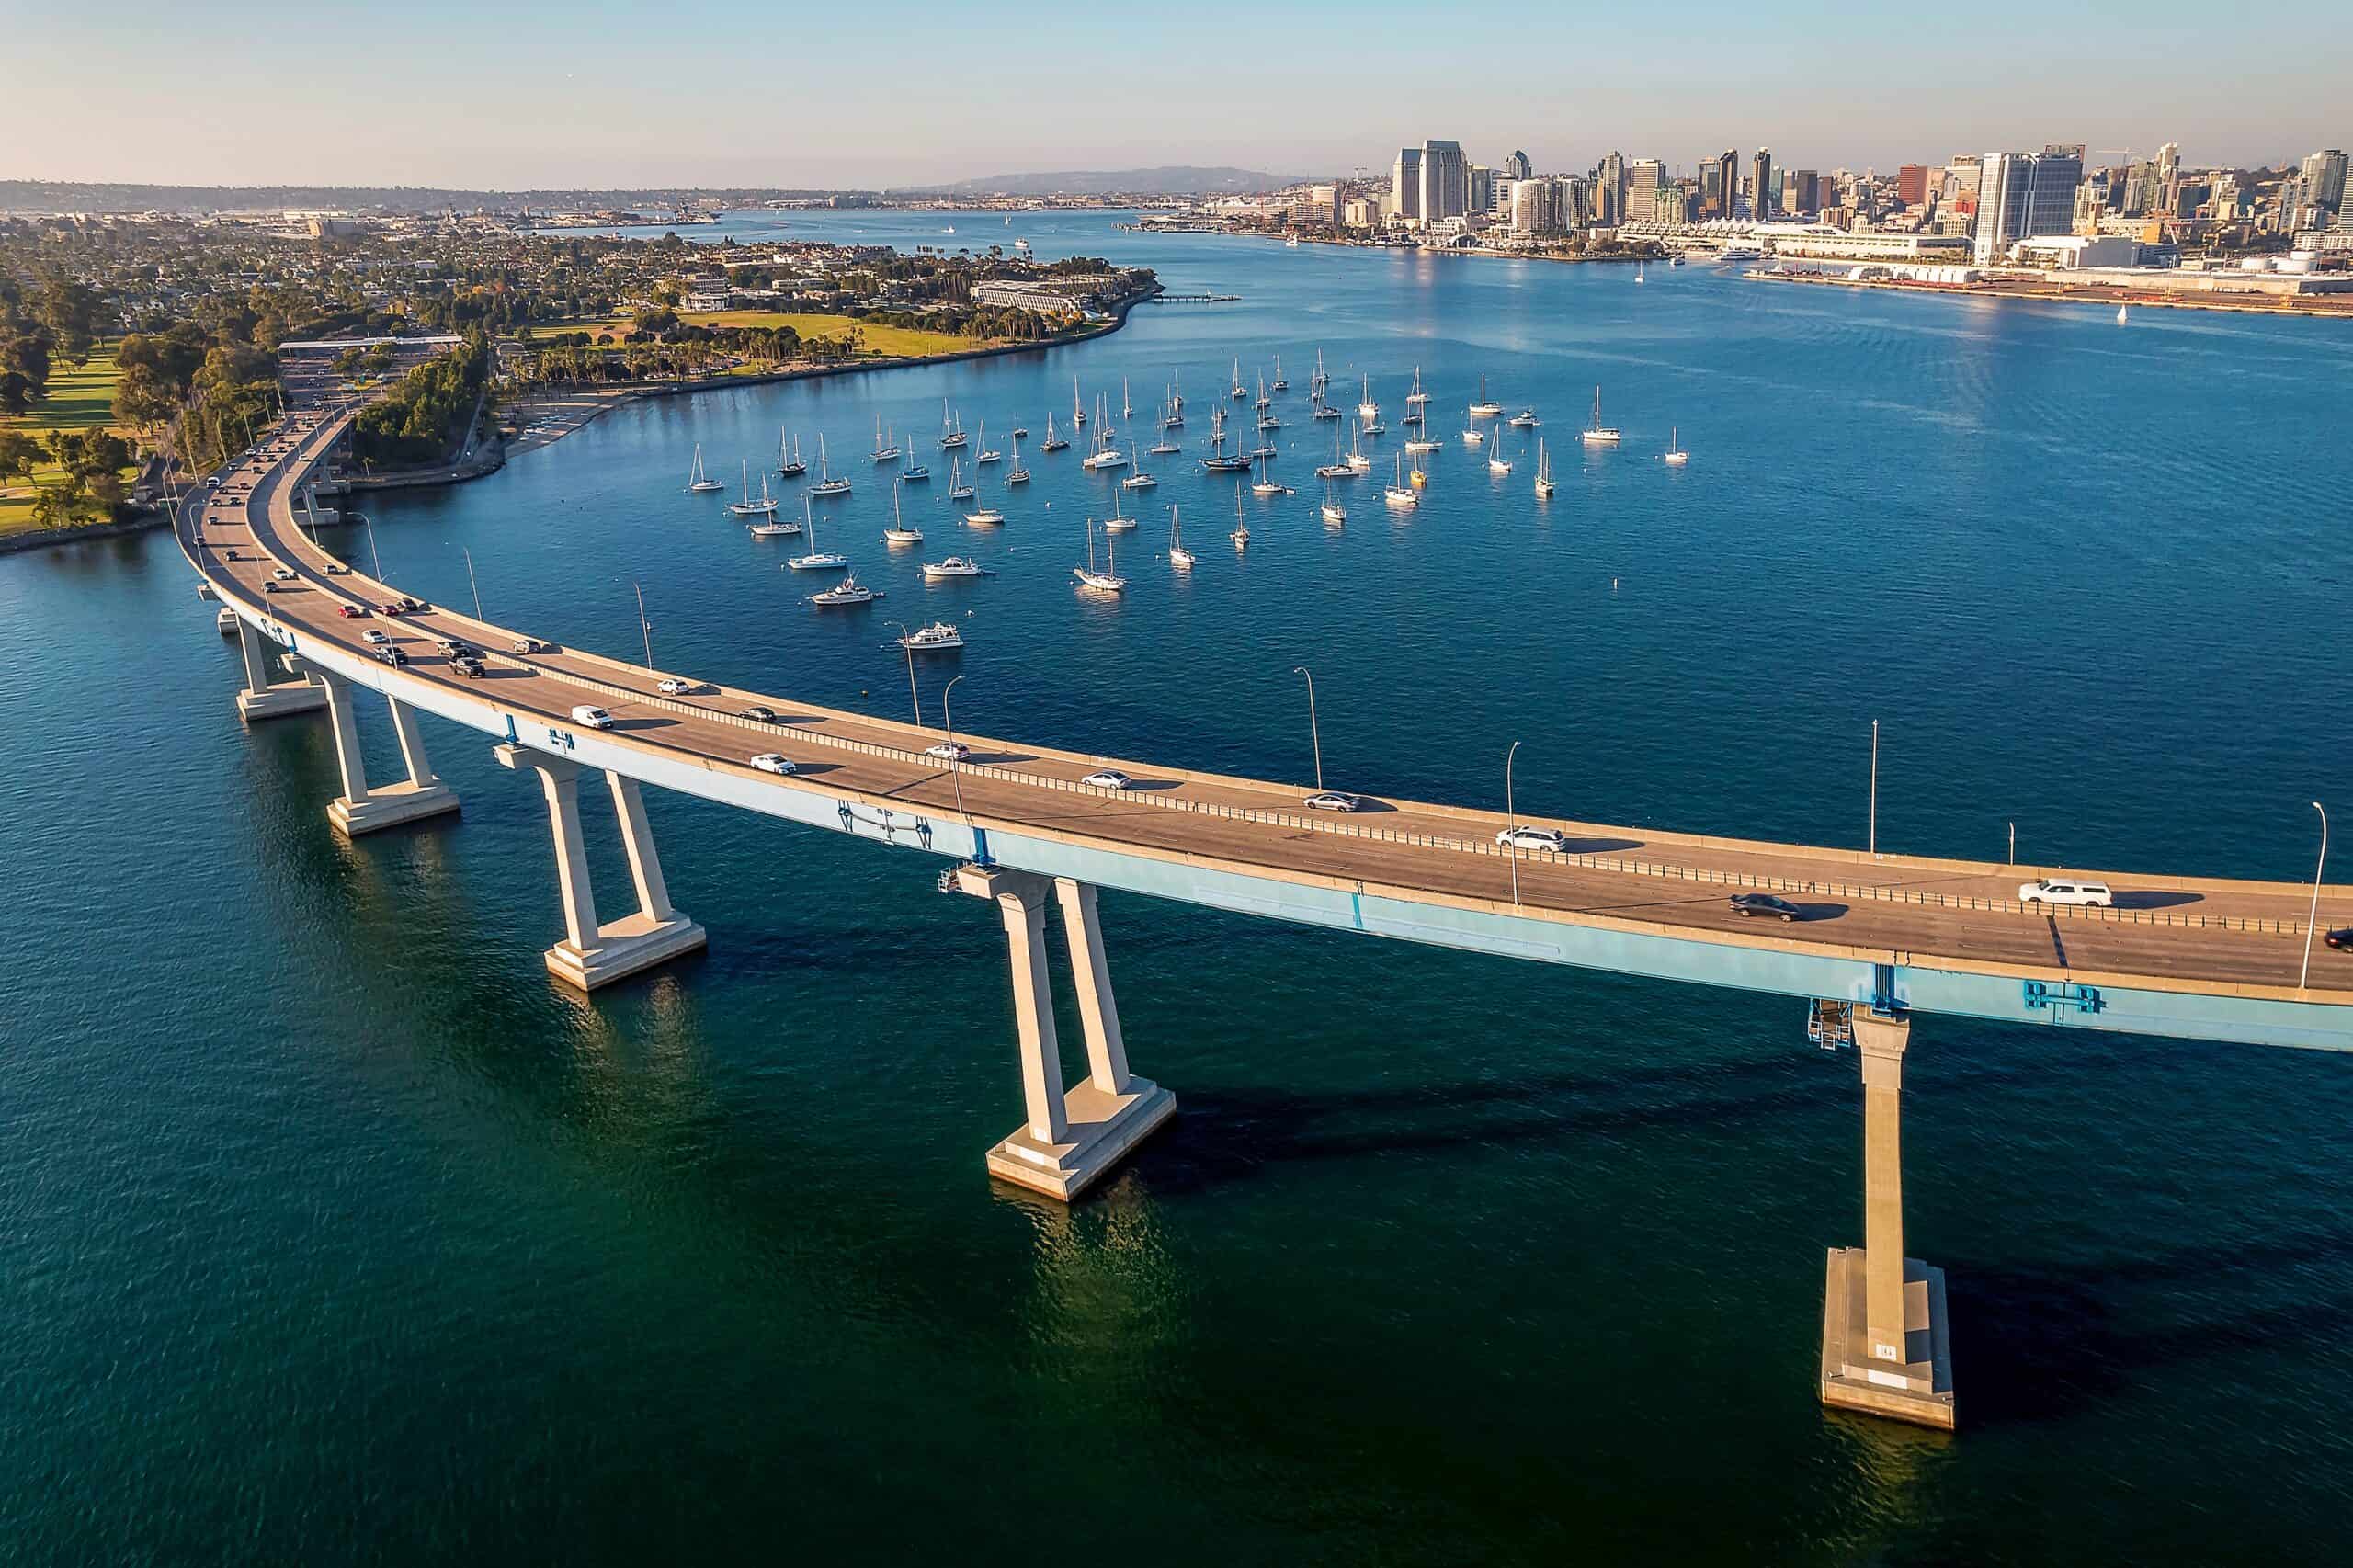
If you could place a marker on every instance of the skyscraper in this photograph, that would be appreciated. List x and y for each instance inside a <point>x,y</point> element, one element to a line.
<point>1912,185</point>
<point>1719,185</point>
<point>1761,191</point>
<point>1516,166</point>
<point>2323,177</point>
<point>1610,191</point>
<point>1645,177</point>
<point>1446,181</point>
<point>2021,196</point>
<point>1482,189</point>
<point>1405,183</point>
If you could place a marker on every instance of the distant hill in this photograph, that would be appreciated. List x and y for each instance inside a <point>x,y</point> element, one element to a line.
<point>1178,179</point>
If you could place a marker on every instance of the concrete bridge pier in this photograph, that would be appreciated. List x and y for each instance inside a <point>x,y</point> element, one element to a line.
<point>1885,1345</point>
<point>266,699</point>
<point>360,809</point>
<point>592,954</point>
<point>1071,1138</point>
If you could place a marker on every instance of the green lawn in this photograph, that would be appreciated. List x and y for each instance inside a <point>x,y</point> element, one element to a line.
<point>879,339</point>
<point>80,398</point>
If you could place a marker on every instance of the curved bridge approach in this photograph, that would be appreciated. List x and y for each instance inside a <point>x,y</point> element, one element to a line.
<point>1886,937</point>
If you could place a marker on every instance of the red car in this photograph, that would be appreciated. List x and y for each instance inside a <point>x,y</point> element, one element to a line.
<point>351,612</point>
<point>390,606</point>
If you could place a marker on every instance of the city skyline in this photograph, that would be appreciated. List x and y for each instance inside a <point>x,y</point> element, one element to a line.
<point>546,98</point>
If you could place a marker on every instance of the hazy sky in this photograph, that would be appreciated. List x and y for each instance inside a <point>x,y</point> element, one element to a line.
<point>512,94</point>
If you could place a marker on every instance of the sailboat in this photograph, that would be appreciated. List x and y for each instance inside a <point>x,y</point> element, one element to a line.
<point>1417,397</point>
<point>1241,534</point>
<point>747,507</point>
<point>1054,443</point>
<point>826,483</point>
<point>1544,473</point>
<point>1496,461</point>
<point>1266,483</point>
<point>1398,492</point>
<point>697,481</point>
<point>1483,409</point>
<point>1240,392</point>
<point>1106,453</point>
<point>1107,581</point>
<point>1638,272</point>
<point>1138,481</point>
<point>775,527</point>
<point>1421,442</point>
<point>1217,461</point>
<point>2121,317</point>
<point>1319,381</point>
<point>1177,554</point>
<point>1118,522</point>
<point>1333,511</point>
<point>1078,406</point>
<point>1016,474</point>
<point>898,532</point>
<point>886,449</point>
<point>1474,438</point>
<point>1127,409</point>
<point>1278,384</point>
<point>1164,447</point>
<point>1598,434</point>
<point>1322,410</point>
<point>1675,457</point>
<point>1367,409</point>
<point>952,430</point>
<point>816,560</point>
<point>915,473</point>
<point>1357,459</point>
<point>1338,467</point>
<point>1264,400</point>
<point>788,464</point>
<point>957,489</point>
<point>1176,420</point>
<point>986,456</point>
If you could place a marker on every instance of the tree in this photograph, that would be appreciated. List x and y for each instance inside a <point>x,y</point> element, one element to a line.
<point>15,391</point>
<point>69,309</point>
<point>19,453</point>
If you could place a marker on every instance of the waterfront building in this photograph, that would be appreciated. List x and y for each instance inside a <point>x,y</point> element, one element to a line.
<point>1405,185</point>
<point>1826,242</point>
<point>1760,184</point>
<point>1360,212</point>
<point>1481,199</point>
<point>1610,191</point>
<point>1446,181</point>
<point>2322,176</point>
<point>2024,195</point>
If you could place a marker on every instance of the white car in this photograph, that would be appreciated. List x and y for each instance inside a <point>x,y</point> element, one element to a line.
<point>591,716</point>
<point>1533,838</point>
<point>374,636</point>
<point>283,574</point>
<point>1335,801</point>
<point>671,685</point>
<point>2067,890</point>
<point>1108,778</point>
<point>950,751</point>
<point>528,645</point>
<point>773,762</point>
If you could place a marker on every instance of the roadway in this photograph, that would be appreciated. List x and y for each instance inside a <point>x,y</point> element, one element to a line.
<point>2170,934</point>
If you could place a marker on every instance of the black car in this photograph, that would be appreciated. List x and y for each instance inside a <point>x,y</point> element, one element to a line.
<point>760,713</point>
<point>1750,903</point>
<point>2341,938</point>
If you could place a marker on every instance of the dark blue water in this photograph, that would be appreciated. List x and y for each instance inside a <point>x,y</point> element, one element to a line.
<point>335,1231</point>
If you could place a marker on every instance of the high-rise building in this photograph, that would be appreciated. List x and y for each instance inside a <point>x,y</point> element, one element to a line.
<point>1406,185</point>
<point>1762,190</point>
<point>1536,206</point>
<point>2323,178</point>
<point>1446,181</point>
<point>1912,185</point>
<point>1804,187</point>
<point>1482,197</point>
<point>1610,191</point>
<point>2024,196</point>
<point>1645,177</point>
<point>1719,185</point>
<point>1518,166</point>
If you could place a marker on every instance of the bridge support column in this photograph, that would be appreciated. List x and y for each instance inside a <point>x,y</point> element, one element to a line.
<point>1886,1348</point>
<point>360,809</point>
<point>592,954</point>
<point>1072,1138</point>
<point>265,699</point>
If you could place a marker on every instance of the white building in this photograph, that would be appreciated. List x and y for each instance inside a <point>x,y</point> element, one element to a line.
<point>2020,195</point>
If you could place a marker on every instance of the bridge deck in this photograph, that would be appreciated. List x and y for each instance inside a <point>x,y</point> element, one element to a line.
<point>2176,934</point>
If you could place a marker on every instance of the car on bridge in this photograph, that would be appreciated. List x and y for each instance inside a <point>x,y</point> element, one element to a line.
<point>392,656</point>
<point>2341,938</point>
<point>1335,801</point>
<point>528,645</point>
<point>1533,838</point>
<point>950,751</point>
<point>671,685</point>
<point>352,612</point>
<point>1109,779</point>
<point>759,714</point>
<point>1750,905</point>
<point>376,635</point>
<point>589,716</point>
<point>470,667</point>
<point>2067,890</point>
<point>773,762</point>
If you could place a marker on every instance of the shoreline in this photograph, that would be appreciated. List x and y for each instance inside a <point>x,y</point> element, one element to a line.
<point>494,458</point>
<point>2102,295</point>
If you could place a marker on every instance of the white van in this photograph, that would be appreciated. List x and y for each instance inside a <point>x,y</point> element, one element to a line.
<point>2067,890</point>
<point>592,717</point>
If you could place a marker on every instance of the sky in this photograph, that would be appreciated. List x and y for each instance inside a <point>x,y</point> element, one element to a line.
<point>522,94</point>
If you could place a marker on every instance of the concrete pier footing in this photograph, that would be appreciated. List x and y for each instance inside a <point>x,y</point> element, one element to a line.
<point>265,697</point>
<point>1885,1345</point>
<point>361,808</point>
<point>1071,1139</point>
<point>594,954</point>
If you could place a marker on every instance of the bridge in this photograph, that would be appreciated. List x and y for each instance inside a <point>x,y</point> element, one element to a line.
<point>1886,938</point>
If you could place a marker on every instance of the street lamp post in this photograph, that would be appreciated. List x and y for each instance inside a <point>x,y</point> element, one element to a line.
<point>908,648</point>
<point>1874,789</point>
<point>644,627</point>
<point>2013,844</point>
<point>1511,816</point>
<point>472,582</point>
<point>2312,919</point>
<point>955,770</point>
<point>1314,734</point>
<point>372,552</point>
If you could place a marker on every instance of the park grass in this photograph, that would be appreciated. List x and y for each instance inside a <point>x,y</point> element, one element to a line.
<point>894,342</point>
<point>81,397</point>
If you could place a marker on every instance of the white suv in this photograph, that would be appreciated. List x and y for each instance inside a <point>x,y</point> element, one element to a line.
<point>2067,890</point>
